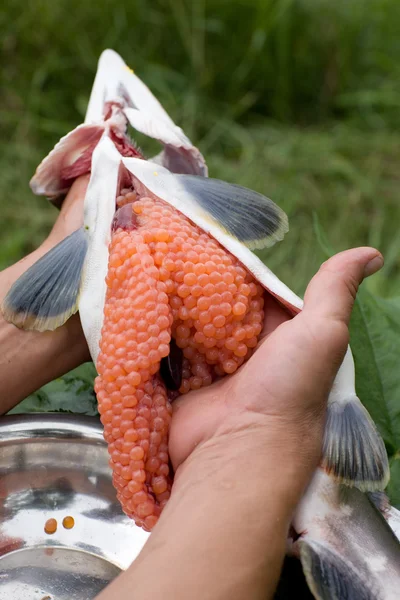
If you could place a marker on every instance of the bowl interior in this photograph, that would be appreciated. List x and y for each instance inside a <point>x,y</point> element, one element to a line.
<point>52,467</point>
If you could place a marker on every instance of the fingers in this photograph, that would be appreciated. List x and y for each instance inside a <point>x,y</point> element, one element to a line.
<point>331,293</point>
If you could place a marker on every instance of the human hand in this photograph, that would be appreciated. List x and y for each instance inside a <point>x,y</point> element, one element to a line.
<point>280,394</point>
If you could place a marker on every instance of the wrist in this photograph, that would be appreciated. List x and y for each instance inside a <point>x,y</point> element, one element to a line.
<point>270,448</point>
<point>254,456</point>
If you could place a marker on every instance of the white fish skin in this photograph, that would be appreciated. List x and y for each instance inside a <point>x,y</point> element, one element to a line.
<point>393,518</point>
<point>98,215</point>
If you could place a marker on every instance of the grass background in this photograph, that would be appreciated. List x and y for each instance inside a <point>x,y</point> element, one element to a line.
<point>298,99</point>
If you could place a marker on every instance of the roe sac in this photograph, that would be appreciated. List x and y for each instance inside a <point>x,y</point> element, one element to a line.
<point>167,279</point>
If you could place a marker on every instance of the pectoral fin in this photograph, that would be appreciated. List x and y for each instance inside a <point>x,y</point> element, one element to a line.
<point>228,212</point>
<point>248,216</point>
<point>47,294</point>
<point>330,577</point>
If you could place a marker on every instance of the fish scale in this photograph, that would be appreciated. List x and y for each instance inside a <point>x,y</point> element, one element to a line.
<point>166,279</point>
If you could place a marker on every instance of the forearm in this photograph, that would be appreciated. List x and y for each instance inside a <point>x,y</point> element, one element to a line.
<point>222,534</point>
<point>29,359</point>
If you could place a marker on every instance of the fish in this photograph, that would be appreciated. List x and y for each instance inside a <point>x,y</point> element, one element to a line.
<point>156,232</point>
<point>348,542</point>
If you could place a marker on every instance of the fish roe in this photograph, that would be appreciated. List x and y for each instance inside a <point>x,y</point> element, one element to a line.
<point>50,526</point>
<point>167,279</point>
<point>68,522</point>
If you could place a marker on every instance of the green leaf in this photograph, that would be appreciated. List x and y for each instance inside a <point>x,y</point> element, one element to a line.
<point>71,393</point>
<point>393,489</point>
<point>375,342</point>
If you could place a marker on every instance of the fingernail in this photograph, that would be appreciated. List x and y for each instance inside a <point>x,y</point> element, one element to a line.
<point>373,266</point>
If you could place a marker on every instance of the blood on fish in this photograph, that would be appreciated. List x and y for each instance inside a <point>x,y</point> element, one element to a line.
<point>124,218</point>
<point>168,284</point>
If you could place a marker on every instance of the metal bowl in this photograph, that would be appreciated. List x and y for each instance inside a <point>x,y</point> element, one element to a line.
<point>54,466</point>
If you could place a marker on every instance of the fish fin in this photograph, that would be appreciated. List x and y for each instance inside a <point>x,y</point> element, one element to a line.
<point>70,157</point>
<point>179,154</point>
<point>331,578</point>
<point>249,217</point>
<point>232,214</point>
<point>353,450</point>
<point>47,294</point>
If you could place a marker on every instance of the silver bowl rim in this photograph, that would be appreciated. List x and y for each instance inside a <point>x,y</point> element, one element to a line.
<point>56,426</point>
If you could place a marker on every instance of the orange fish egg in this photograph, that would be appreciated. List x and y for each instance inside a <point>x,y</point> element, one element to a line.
<point>167,280</point>
<point>68,522</point>
<point>50,526</point>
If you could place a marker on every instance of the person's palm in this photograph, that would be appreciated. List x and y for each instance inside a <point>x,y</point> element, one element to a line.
<point>235,402</point>
<point>282,387</point>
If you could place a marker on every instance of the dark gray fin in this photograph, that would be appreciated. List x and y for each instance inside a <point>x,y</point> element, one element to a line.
<point>251,218</point>
<point>331,578</point>
<point>47,294</point>
<point>353,451</point>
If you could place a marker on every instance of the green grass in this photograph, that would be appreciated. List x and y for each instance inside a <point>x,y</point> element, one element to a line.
<point>298,99</point>
<point>346,177</point>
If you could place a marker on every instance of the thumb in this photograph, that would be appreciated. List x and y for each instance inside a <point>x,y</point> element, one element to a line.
<point>329,300</point>
<point>331,293</point>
